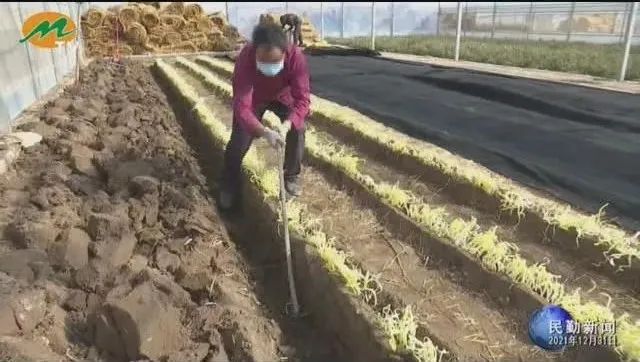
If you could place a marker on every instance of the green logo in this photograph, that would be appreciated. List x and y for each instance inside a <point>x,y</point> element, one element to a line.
<point>46,29</point>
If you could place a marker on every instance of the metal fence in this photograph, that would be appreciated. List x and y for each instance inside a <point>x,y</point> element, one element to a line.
<point>602,23</point>
<point>525,29</point>
<point>599,32</point>
<point>26,72</point>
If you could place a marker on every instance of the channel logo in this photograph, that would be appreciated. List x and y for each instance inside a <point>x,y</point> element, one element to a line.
<point>48,29</point>
<point>554,329</point>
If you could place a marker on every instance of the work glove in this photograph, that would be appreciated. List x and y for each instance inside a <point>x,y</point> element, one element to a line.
<point>274,138</point>
<point>283,128</point>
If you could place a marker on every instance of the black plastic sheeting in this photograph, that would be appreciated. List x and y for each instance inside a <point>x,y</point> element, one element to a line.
<point>581,145</point>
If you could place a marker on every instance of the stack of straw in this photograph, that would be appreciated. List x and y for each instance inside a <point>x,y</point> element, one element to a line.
<point>147,27</point>
<point>310,36</point>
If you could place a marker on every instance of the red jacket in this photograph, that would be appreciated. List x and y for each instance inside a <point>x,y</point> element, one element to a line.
<point>252,90</point>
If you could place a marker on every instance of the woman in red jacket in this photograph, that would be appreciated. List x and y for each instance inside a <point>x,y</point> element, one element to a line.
<point>269,74</point>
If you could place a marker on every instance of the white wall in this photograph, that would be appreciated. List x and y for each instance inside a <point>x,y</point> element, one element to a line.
<point>28,72</point>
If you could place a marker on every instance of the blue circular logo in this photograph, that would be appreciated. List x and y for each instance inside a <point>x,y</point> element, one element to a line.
<point>548,328</point>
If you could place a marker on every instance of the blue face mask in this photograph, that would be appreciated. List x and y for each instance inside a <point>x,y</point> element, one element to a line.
<point>270,69</point>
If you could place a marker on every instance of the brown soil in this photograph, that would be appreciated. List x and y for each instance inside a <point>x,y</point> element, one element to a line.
<point>111,248</point>
<point>470,325</point>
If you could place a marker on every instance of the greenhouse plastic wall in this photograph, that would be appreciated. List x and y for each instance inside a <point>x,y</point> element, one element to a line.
<point>27,72</point>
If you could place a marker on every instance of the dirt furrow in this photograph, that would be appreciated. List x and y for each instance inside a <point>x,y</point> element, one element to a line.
<point>266,256</point>
<point>469,324</point>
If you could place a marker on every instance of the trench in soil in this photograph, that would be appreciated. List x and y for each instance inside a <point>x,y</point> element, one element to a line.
<point>581,265</point>
<point>333,326</point>
<point>469,324</point>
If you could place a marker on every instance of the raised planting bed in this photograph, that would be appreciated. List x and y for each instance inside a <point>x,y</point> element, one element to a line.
<point>456,233</point>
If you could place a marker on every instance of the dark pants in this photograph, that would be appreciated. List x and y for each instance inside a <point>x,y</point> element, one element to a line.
<point>240,142</point>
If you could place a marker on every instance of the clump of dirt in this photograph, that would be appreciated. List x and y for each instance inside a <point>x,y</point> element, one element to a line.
<point>111,248</point>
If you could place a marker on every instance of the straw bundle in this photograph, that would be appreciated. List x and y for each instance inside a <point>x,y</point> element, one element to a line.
<point>215,34</point>
<point>230,31</point>
<point>93,43</point>
<point>128,15</point>
<point>149,17</point>
<point>104,32</point>
<point>142,28</point>
<point>94,17</point>
<point>193,11</point>
<point>174,21</point>
<point>110,20</point>
<point>136,33</point>
<point>190,27</point>
<point>108,49</point>
<point>87,31</point>
<point>155,39</point>
<point>139,49</point>
<point>174,8</point>
<point>198,37</point>
<point>126,50</point>
<point>202,45</point>
<point>161,30</point>
<point>205,25</point>
<point>218,21</point>
<point>150,47</point>
<point>172,38</point>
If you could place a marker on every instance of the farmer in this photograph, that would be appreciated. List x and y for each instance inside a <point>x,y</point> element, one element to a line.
<point>272,75</point>
<point>294,23</point>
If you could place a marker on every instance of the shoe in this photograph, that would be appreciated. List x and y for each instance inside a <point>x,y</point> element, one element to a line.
<point>293,187</point>
<point>225,200</point>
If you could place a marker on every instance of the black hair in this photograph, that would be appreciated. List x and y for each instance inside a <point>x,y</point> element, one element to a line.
<point>270,36</point>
